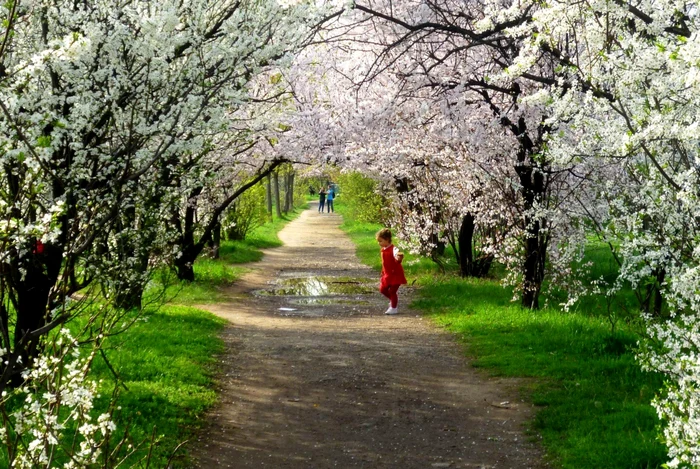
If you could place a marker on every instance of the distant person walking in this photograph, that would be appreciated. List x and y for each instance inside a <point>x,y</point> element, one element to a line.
<point>392,270</point>
<point>330,196</point>
<point>321,199</point>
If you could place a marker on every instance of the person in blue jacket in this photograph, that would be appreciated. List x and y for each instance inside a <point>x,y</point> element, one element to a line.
<point>330,195</point>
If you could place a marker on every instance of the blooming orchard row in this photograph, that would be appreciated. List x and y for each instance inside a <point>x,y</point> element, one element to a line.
<point>126,130</point>
<point>513,130</point>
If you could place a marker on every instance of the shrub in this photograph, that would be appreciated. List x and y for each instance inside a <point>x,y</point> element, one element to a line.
<point>360,194</point>
<point>245,214</point>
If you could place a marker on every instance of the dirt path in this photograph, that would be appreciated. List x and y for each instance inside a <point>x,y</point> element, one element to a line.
<point>333,383</point>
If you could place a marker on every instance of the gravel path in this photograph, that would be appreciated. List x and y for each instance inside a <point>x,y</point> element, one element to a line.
<point>331,382</point>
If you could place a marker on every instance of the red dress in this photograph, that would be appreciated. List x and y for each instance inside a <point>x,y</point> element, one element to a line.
<point>392,270</point>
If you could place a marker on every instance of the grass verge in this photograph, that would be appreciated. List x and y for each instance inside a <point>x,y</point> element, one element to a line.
<point>166,364</point>
<point>593,401</point>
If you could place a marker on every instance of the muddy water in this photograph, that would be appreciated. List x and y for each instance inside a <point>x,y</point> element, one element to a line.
<point>306,294</point>
<point>319,286</point>
<point>327,301</point>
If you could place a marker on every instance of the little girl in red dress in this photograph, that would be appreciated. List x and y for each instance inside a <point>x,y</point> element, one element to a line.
<point>392,270</point>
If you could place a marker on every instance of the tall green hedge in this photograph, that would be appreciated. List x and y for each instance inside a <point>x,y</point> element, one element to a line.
<point>362,197</point>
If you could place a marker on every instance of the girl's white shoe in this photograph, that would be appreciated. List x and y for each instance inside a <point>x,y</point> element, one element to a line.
<point>392,310</point>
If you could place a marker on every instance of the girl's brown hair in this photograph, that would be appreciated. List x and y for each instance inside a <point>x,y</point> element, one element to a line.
<point>384,233</point>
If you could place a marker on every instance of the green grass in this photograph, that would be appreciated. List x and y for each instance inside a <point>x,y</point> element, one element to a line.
<point>593,401</point>
<point>594,398</point>
<point>166,361</point>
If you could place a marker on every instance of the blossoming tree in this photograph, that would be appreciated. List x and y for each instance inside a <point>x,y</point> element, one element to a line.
<point>461,58</point>
<point>109,116</point>
<point>629,80</point>
<point>99,104</point>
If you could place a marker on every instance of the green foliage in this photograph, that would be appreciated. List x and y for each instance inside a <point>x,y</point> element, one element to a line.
<point>360,195</point>
<point>301,192</point>
<point>245,214</point>
<point>593,399</point>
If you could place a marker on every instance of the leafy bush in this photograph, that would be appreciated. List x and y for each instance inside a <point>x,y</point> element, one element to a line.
<point>245,214</point>
<point>361,196</point>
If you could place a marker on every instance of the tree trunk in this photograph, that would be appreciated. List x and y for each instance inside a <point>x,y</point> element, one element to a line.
<point>469,265</point>
<point>466,236</point>
<point>276,179</point>
<point>440,246</point>
<point>31,275</point>
<point>184,266</point>
<point>191,249</point>
<point>268,196</point>
<point>658,296</point>
<point>286,193</point>
<point>533,270</point>
<point>32,306</point>
<point>215,242</point>
<point>129,298</point>
<point>533,192</point>
<point>653,291</point>
<point>129,289</point>
<point>291,191</point>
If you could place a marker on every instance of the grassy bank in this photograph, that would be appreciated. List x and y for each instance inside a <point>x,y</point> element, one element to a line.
<point>592,399</point>
<point>166,360</point>
<point>166,364</point>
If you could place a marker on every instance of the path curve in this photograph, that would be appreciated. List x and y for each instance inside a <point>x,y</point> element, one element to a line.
<point>344,386</point>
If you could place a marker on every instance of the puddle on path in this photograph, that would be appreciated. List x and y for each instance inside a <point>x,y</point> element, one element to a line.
<point>329,301</point>
<point>302,313</point>
<point>320,286</point>
<point>318,313</point>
